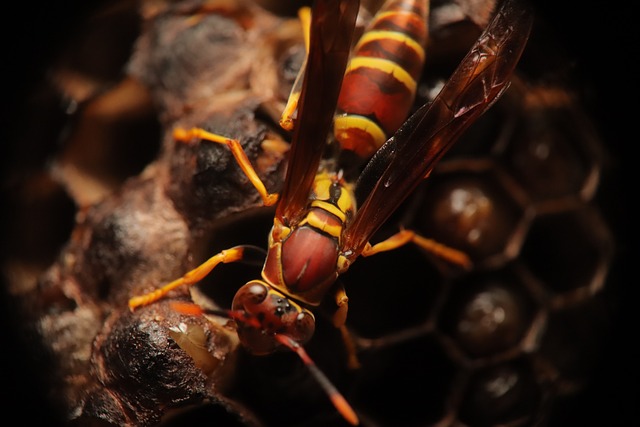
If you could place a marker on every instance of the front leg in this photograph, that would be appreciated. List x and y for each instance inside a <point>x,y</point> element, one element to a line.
<point>194,276</point>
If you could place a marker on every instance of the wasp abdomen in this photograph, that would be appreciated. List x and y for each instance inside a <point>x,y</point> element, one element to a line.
<point>380,82</point>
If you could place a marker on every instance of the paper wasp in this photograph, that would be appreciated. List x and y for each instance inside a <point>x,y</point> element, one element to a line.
<point>323,223</point>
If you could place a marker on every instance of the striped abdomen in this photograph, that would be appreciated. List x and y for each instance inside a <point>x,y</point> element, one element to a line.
<point>380,82</point>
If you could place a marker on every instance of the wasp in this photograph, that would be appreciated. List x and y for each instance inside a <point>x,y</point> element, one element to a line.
<point>324,222</point>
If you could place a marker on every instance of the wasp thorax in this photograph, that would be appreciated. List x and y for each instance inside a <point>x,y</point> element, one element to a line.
<point>267,314</point>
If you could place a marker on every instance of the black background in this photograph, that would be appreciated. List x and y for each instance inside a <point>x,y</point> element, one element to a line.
<point>600,40</point>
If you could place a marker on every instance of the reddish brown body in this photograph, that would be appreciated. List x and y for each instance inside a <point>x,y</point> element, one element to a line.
<point>379,86</point>
<point>303,261</point>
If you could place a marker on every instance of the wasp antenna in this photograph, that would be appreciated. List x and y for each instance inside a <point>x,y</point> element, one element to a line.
<point>192,309</point>
<point>240,316</point>
<point>187,308</point>
<point>335,396</point>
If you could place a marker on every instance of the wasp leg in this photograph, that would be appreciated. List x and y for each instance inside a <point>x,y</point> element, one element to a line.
<point>339,318</point>
<point>237,151</point>
<point>230,255</point>
<point>276,147</point>
<point>353,362</point>
<point>407,236</point>
<point>286,119</point>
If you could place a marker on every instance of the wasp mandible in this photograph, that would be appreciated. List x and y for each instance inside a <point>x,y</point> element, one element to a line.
<point>322,222</point>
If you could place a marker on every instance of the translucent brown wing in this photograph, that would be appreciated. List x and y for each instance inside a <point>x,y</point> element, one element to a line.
<point>410,155</point>
<point>332,25</point>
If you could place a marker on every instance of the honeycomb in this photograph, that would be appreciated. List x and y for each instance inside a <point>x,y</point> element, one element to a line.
<point>108,205</point>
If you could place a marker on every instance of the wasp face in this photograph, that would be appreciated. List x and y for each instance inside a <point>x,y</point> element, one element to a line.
<point>268,313</point>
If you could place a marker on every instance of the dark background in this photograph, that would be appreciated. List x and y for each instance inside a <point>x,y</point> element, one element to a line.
<point>599,45</point>
<point>598,40</point>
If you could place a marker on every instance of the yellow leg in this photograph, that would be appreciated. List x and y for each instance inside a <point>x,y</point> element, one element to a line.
<point>193,276</point>
<point>339,318</point>
<point>407,236</point>
<point>286,120</point>
<point>237,151</point>
<point>342,301</point>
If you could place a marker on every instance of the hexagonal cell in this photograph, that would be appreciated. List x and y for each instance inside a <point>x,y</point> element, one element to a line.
<point>485,133</point>
<point>503,394</point>
<point>391,291</point>
<point>406,384</point>
<point>114,136</point>
<point>221,284</point>
<point>153,374</point>
<point>553,152</point>
<point>472,206</point>
<point>488,313</point>
<point>572,343</point>
<point>569,250</point>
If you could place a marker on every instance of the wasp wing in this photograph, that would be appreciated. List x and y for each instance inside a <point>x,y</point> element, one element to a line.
<point>410,155</point>
<point>332,26</point>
